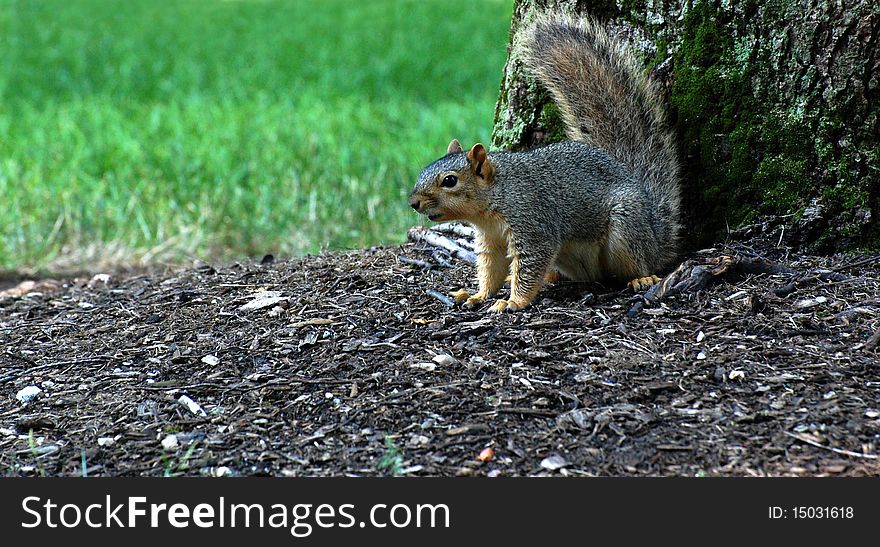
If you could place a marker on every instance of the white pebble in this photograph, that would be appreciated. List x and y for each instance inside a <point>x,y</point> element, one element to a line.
<point>28,394</point>
<point>552,463</point>
<point>263,299</point>
<point>191,405</point>
<point>444,359</point>
<point>810,302</point>
<point>170,442</point>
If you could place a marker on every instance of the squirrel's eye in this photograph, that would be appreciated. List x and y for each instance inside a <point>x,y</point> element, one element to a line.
<point>449,181</point>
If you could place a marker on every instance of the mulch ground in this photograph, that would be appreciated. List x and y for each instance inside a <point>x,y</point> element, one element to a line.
<point>346,364</point>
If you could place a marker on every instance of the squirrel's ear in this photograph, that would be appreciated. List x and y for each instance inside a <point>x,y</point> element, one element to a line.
<point>454,147</point>
<point>479,160</point>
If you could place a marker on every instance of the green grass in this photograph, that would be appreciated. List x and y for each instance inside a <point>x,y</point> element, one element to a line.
<point>223,129</point>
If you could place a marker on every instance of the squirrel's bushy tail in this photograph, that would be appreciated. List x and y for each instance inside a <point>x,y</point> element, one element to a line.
<point>607,101</point>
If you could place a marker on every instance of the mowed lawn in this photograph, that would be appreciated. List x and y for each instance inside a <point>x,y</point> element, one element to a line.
<point>165,130</point>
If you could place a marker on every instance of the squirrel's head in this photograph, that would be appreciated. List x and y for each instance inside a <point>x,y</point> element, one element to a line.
<point>455,187</point>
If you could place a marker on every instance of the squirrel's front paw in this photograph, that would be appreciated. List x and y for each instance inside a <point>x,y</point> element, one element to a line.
<point>476,299</point>
<point>460,295</point>
<point>501,305</point>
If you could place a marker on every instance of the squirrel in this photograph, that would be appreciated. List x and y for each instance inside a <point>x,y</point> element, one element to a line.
<point>603,205</point>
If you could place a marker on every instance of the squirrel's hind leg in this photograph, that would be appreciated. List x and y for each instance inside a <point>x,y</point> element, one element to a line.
<point>643,283</point>
<point>631,250</point>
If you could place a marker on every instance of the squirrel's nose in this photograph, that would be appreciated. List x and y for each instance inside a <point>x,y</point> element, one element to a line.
<point>414,202</point>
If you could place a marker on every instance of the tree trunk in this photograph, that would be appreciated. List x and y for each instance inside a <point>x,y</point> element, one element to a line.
<point>776,105</point>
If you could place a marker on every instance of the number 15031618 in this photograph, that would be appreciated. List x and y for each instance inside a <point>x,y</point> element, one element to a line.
<point>811,512</point>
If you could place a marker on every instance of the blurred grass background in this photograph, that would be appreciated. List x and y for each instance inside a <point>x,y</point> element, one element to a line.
<point>159,130</point>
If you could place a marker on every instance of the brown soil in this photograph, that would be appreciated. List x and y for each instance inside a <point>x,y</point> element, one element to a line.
<point>355,369</point>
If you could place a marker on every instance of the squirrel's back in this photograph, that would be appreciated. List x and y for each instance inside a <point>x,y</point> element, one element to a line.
<point>607,102</point>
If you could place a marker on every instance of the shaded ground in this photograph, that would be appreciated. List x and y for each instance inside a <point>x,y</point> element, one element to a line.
<point>354,369</point>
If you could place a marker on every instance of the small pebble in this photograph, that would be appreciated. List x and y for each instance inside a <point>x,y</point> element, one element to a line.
<point>444,360</point>
<point>28,394</point>
<point>554,462</point>
<point>192,406</point>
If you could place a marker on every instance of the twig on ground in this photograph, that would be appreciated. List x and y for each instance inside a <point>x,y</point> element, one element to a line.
<point>420,234</point>
<point>441,297</point>
<point>693,275</point>
<point>841,451</point>
<point>18,374</point>
<point>415,262</point>
<point>455,228</point>
<point>440,257</point>
<point>857,263</point>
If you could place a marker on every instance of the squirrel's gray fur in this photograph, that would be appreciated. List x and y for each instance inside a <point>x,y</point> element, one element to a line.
<point>603,205</point>
<point>607,101</point>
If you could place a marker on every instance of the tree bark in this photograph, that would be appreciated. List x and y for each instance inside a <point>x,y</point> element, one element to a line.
<point>776,106</point>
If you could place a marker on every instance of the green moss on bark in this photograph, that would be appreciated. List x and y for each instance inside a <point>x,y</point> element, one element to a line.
<point>753,146</point>
<point>749,160</point>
